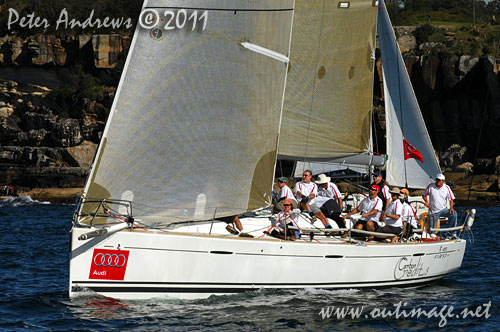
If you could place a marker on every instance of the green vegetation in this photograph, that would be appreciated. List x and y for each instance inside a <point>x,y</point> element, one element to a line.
<point>81,86</point>
<point>419,12</point>
<point>451,26</point>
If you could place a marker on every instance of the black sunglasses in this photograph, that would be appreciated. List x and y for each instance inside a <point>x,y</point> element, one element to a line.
<point>287,204</point>
<point>306,174</point>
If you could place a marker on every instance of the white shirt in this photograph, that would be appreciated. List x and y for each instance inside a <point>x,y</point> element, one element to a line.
<point>438,197</point>
<point>395,207</point>
<point>331,192</point>
<point>306,189</point>
<point>286,192</point>
<point>368,205</point>
<point>284,218</point>
<point>409,215</point>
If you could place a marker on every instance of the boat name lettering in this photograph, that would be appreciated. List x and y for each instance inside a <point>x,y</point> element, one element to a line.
<point>175,19</point>
<point>409,269</point>
<point>443,248</point>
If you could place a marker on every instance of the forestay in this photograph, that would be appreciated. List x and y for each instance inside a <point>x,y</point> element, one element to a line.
<point>403,116</point>
<point>328,95</point>
<point>194,127</point>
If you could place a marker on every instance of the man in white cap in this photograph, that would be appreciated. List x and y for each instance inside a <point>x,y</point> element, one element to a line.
<point>439,193</point>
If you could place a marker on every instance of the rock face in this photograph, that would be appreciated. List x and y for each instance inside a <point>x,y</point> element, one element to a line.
<point>106,48</point>
<point>41,50</point>
<point>39,148</point>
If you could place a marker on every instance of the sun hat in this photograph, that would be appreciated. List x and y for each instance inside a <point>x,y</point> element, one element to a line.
<point>375,188</point>
<point>322,179</point>
<point>283,179</point>
<point>395,191</point>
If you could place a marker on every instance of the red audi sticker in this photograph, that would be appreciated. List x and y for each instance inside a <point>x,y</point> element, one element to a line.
<point>108,264</point>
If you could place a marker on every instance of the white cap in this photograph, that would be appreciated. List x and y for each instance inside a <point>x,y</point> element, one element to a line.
<point>440,177</point>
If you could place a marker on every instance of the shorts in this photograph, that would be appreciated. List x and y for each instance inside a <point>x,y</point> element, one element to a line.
<point>390,230</point>
<point>228,220</point>
<point>363,222</point>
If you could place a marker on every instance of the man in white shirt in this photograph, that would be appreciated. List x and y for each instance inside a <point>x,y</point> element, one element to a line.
<point>285,193</point>
<point>306,192</point>
<point>409,215</point>
<point>393,220</point>
<point>329,199</point>
<point>370,209</point>
<point>439,193</point>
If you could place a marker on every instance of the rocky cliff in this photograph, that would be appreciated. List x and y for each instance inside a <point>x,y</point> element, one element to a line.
<point>47,138</point>
<point>48,135</point>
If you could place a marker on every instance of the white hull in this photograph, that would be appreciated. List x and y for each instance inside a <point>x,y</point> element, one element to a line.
<point>184,265</point>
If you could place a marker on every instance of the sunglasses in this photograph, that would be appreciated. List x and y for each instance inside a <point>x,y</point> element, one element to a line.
<point>287,204</point>
<point>304,175</point>
<point>373,189</point>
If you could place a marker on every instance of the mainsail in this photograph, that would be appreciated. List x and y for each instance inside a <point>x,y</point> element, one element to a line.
<point>328,98</point>
<point>403,117</point>
<point>194,127</point>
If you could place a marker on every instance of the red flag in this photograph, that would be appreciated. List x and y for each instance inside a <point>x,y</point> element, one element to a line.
<point>411,151</point>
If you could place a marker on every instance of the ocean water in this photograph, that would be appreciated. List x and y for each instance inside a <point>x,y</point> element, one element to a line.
<point>34,283</point>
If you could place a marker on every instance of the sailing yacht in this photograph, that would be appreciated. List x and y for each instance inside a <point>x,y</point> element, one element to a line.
<point>210,96</point>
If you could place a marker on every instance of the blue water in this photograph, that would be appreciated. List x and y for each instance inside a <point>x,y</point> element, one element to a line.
<point>34,282</point>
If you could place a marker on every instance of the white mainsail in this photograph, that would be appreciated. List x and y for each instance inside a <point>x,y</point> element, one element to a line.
<point>403,116</point>
<point>328,97</point>
<point>194,127</point>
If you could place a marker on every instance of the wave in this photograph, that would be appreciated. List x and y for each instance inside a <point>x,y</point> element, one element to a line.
<point>20,201</point>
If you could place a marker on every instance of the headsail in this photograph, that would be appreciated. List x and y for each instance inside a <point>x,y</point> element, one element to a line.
<point>328,98</point>
<point>403,117</point>
<point>194,126</point>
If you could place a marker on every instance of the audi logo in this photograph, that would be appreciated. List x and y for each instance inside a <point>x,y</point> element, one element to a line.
<point>110,260</point>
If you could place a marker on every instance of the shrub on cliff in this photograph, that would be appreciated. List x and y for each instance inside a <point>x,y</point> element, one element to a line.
<point>422,33</point>
<point>81,86</point>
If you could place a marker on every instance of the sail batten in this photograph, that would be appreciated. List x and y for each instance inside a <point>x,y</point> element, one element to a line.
<point>196,117</point>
